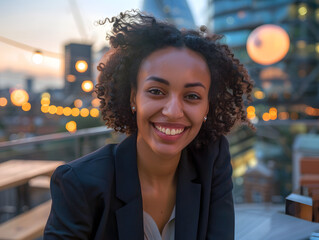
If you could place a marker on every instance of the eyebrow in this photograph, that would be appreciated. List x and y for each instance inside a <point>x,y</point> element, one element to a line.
<point>187,85</point>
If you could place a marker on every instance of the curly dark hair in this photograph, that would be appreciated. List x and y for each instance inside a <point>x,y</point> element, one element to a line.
<point>134,36</point>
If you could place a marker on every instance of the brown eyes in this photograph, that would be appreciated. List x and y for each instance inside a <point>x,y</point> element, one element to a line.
<point>192,96</point>
<point>155,91</point>
<point>158,92</point>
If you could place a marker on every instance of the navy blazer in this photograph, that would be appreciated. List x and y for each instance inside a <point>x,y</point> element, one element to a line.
<point>99,197</point>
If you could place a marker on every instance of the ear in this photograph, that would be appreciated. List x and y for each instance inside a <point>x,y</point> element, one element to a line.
<point>133,97</point>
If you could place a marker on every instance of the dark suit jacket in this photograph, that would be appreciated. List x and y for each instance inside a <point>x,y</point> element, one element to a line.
<point>98,196</point>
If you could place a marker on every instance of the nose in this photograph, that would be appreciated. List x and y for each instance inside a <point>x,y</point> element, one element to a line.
<point>173,108</point>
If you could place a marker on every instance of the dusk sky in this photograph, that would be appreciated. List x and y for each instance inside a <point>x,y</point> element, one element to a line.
<point>47,26</point>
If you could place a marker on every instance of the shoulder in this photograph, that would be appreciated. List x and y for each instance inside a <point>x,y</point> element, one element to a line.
<point>96,166</point>
<point>101,158</point>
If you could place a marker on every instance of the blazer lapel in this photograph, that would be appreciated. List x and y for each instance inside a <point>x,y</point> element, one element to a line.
<point>187,200</point>
<point>130,217</point>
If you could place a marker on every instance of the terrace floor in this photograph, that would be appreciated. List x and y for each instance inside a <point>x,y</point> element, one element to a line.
<point>268,222</point>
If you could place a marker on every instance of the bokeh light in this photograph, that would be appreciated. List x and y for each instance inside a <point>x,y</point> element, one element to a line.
<point>70,78</point>
<point>81,66</point>
<point>3,102</point>
<point>94,112</point>
<point>52,109</point>
<point>44,108</point>
<point>87,86</point>
<point>95,102</point>
<point>283,115</point>
<point>26,106</point>
<point>19,97</point>
<point>45,101</point>
<point>84,112</point>
<point>37,57</point>
<point>46,95</point>
<point>75,112</point>
<point>268,44</point>
<point>67,111</point>
<point>259,94</point>
<point>59,110</point>
<point>78,103</point>
<point>266,117</point>
<point>302,10</point>
<point>71,126</point>
<point>251,109</point>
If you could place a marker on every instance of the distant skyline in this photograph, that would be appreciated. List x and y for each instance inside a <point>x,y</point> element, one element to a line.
<point>48,25</point>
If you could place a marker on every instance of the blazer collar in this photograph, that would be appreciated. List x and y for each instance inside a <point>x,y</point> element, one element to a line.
<point>128,190</point>
<point>130,216</point>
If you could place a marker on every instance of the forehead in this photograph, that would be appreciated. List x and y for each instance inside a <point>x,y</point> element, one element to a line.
<point>175,63</point>
<point>166,56</point>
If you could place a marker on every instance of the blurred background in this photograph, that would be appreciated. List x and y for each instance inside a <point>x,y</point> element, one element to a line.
<point>49,51</point>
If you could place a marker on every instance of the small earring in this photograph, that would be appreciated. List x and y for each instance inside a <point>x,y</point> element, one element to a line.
<point>133,109</point>
<point>205,118</point>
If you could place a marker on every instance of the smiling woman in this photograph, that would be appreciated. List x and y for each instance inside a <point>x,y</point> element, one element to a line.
<point>176,94</point>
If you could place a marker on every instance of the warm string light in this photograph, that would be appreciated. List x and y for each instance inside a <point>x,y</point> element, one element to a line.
<point>67,111</point>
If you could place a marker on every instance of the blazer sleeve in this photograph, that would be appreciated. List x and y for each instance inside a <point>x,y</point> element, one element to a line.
<point>70,216</point>
<point>221,222</point>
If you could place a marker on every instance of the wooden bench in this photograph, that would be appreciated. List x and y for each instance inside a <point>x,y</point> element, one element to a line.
<point>27,226</point>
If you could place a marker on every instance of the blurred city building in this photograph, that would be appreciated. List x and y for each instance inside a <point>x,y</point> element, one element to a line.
<point>78,66</point>
<point>286,93</point>
<point>176,12</point>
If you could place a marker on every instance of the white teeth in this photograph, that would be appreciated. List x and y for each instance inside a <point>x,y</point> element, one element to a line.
<point>170,131</point>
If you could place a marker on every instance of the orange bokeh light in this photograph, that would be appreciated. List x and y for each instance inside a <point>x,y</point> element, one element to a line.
<point>26,107</point>
<point>251,109</point>
<point>81,66</point>
<point>3,102</point>
<point>94,112</point>
<point>95,102</point>
<point>87,86</point>
<point>67,111</point>
<point>84,112</point>
<point>283,115</point>
<point>59,110</point>
<point>45,101</point>
<point>44,108</point>
<point>19,97</point>
<point>75,112</point>
<point>268,44</point>
<point>71,126</point>
<point>266,117</point>
<point>78,103</point>
<point>52,109</point>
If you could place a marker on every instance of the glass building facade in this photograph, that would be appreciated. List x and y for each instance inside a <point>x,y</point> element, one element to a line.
<point>289,88</point>
<point>176,12</point>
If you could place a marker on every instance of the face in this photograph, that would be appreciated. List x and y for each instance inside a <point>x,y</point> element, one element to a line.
<point>171,100</point>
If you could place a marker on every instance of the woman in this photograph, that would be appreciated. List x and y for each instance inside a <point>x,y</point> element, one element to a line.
<point>175,93</point>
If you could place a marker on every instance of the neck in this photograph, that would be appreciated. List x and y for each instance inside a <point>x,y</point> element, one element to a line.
<point>154,168</point>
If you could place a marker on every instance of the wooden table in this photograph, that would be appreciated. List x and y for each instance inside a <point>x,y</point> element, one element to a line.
<point>28,224</point>
<point>14,173</point>
<point>18,173</point>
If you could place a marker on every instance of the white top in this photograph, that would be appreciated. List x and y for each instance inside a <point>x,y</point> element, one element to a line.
<point>151,231</point>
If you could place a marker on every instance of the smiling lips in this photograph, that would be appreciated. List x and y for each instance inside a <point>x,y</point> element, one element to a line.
<point>171,131</point>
